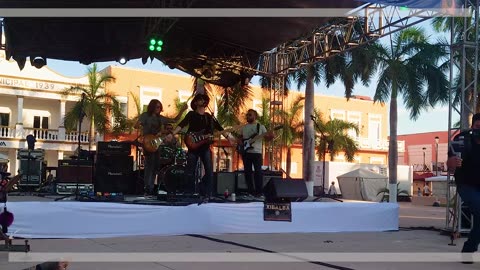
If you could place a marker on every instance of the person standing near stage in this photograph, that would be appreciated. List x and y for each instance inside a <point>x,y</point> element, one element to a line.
<point>152,123</point>
<point>252,156</point>
<point>332,191</point>
<point>467,179</point>
<point>199,122</point>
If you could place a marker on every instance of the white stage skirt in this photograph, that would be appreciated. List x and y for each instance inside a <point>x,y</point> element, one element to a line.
<point>100,220</point>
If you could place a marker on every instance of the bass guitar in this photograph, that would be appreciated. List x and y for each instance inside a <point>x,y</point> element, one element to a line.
<point>247,143</point>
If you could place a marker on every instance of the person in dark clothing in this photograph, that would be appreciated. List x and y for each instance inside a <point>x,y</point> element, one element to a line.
<point>201,126</point>
<point>152,123</point>
<point>464,161</point>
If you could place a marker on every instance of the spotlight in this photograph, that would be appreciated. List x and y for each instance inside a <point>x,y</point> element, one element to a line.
<point>122,61</point>
<point>155,44</point>
<point>38,62</point>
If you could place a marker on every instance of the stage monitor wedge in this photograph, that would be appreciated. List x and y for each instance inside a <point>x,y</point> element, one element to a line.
<point>278,190</point>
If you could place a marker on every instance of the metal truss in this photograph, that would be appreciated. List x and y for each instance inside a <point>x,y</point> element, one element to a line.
<point>2,42</point>
<point>339,35</point>
<point>368,24</point>
<point>464,51</point>
<point>277,94</point>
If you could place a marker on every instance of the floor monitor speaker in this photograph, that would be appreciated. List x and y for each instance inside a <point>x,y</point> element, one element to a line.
<point>279,189</point>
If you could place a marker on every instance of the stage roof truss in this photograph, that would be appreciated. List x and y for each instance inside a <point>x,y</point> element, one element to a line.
<point>340,35</point>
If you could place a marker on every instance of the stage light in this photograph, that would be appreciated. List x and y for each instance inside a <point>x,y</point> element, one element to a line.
<point>122,61</point>
<point>155,45</point>
<point>38,61</point>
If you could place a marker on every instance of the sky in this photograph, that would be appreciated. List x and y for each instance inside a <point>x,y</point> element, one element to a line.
<point>435,119</point>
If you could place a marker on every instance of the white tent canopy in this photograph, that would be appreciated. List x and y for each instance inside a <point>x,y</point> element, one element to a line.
<point>439,185</point>
<point>362,184</point>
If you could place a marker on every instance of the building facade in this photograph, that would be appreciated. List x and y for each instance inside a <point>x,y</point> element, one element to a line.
<point>31,102</point>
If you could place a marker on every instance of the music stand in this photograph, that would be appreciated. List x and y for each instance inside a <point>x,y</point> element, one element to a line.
<point>330,146</point>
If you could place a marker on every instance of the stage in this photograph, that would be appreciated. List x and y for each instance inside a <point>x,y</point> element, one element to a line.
<point>74,219</point>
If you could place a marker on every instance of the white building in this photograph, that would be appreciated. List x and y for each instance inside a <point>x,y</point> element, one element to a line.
<point>31,102</point>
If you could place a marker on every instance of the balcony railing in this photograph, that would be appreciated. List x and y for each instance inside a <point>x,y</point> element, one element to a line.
<point>72,136</point>
<point>366,143</point>
<point>41,134</point>
<point>7,132</point>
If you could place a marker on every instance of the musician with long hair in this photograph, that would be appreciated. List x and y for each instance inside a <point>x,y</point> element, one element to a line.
<point>200,122</point>
<point>152,123</point>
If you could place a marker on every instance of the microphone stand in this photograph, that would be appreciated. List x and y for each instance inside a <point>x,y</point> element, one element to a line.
<point>323,138</point>
<point>81,114</point>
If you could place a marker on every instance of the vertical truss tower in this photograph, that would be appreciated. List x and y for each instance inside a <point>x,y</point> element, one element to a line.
<point>464,40</point>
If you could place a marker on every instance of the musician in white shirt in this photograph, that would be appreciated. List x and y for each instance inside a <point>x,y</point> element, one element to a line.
<point>252,156</point>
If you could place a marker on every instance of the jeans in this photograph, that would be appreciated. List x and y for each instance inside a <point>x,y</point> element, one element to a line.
<point>192,174</point>
<point>151,161</point>
<point>471,197</point>
<point>256,160</point>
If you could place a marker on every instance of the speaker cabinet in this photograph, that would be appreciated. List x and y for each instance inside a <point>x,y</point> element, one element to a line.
<point>223,181</point>
<point>279,189</point>
<point>73,173</point>
<point>114,174</point>
<point>242,184</point>
<point>31,172</point>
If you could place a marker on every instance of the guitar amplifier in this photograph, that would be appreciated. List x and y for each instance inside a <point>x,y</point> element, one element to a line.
<point>114,148</point>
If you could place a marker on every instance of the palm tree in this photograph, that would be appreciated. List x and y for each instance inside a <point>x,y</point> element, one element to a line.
<point>264,117</point>
<point>408,68</point>
<point>292,131</point>
<point>349,68</point>
<point>97,105</point>
<point>334,138</point>
<point>445,25</point>
<point>386,192</point>
<point>232,103</point>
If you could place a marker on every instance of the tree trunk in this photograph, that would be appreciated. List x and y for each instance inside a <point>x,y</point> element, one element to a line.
<point>289,160</point>
<point>91,133</point>
<point>309,132</point>
<point>393,149</point>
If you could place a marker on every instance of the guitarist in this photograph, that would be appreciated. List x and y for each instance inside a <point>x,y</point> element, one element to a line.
<point>253,155</point>
<point>199,121</point>
<point>152,123</point>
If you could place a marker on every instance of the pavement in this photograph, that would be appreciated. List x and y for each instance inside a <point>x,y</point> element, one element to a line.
<point>418,244</point>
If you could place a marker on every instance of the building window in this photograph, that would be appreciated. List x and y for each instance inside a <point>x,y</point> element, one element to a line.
<point>355,118</point>
<point>184,95</point>
<point>123,105</point>
<point>377,160</point>
<point>337,114</point>
<point>148,93</point>
<point>4,119</point>
<point>40,122</point>
<point>374,129</point>
<point>257,106</point>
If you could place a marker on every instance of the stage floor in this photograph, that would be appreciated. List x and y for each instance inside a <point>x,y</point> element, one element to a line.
<point>73,219</point>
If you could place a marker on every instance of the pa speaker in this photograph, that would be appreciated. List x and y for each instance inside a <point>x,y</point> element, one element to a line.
<point>115,175</point>
<point>278,189</point>
<point>223,181</point>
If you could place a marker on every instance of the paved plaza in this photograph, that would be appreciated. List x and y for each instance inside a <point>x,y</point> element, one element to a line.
<point>420,233</point>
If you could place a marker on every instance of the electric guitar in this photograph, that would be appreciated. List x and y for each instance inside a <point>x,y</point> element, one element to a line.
<point>247,143</point>
<point>151,143</point>
<point>194,140</point>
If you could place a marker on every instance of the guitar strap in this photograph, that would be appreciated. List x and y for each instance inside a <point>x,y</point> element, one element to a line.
<point>255,134</point>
